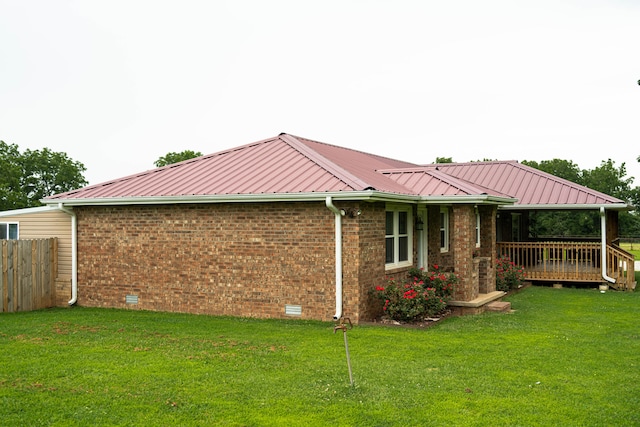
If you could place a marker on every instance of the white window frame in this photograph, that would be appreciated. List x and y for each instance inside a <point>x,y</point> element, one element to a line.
<point>477,229</point>
<point>444,229</point>
<point>422,238</point>
<point>396,263</point>
<point>6,226</point>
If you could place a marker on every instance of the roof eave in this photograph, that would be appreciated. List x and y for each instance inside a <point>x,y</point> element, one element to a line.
<point>369,195</point>
<point>468,199</point>
<point>29,211</point>
<point>585,206</point>
<point>364,195</point>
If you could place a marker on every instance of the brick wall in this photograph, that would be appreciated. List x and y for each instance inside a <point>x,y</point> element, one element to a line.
<point>251,259</point>
<point>229,259</point>
<point>443,259</point>
<point>487,250</point>
<point>370,251</point>
<point>463,243</point>
<point>224,259</point>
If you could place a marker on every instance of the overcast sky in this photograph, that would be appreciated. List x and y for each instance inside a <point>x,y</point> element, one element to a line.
<point>117,84</point>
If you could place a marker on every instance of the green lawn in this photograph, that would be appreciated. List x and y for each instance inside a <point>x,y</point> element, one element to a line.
<point>634,248</point>
<point>564,357</point>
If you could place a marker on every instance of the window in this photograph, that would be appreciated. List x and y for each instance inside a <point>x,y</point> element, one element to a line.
<point>444,229</point>
<point>515,227</point>
<point>8,230</point>
<point>398,237</point>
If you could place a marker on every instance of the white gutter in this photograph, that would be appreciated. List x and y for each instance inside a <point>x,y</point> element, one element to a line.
<point>74,254</point>
<point>603,250</point>
<point>338,227</point>
<point>365,195</point>
<point>610,206</point>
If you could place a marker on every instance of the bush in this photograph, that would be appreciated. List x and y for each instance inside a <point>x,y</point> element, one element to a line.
<point>508,275</point>
<point>423,294</point>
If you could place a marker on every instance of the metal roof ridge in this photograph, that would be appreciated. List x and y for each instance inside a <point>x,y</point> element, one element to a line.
<point>326,164</point>
<point>479,162</point>
<point>460,184</point>
<point>377,156</point>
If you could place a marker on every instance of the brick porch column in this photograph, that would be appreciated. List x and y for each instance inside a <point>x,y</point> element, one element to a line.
<point>463,240</point>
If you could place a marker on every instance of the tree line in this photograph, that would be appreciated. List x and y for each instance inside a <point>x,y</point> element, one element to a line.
<point>28,176</point>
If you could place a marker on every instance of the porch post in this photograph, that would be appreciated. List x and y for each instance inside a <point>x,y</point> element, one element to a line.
<point>603,249</point>
<point>464,242</point>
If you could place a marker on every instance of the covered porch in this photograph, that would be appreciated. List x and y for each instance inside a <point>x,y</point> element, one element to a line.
<point>572,261</point>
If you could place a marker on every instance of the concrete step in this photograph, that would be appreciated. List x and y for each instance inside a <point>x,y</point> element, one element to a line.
<point>499,306</point>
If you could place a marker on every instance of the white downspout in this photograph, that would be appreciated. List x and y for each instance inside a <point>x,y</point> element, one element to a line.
<point>74,254</point>
<point>338,227</point>
<point>603,250</point>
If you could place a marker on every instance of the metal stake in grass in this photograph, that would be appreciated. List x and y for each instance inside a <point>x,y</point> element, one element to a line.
<point>344,328</point>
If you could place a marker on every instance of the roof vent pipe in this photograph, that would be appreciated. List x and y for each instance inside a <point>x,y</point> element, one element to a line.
<point>338,228</point>
<point>603,250</point>
<point>74,254</point>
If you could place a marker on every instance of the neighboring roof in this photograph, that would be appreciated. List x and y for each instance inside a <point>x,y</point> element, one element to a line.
<point>287,167</point>
<point>532,187</point>
<point>27,211</point>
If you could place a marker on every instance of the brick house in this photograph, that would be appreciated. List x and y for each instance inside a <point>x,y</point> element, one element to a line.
<point>281,227</point>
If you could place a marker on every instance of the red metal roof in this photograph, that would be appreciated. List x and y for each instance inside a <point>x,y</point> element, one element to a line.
<point>283,164</point>
<point>529,185</point>
<point>287,164</point>
<point>430,181</point>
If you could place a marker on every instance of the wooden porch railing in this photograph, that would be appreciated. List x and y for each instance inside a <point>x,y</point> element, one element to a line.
<point>571,262</point>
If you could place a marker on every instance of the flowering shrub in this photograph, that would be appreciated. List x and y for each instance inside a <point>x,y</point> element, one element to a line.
<point>508,274</point>
<point>422,294</point>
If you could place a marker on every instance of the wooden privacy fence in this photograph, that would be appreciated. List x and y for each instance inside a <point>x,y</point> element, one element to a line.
<point>28,269</point>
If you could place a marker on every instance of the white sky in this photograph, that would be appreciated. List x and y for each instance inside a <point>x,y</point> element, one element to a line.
<point>117,84</point>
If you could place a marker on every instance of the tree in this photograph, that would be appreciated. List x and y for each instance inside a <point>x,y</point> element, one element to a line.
<point>30,176</point>
<point>171,158</point>
<point>609,180</point>
<point>565,169</point>
<point>444,159</point>
<point>46,172</point>
<point>11,195</point>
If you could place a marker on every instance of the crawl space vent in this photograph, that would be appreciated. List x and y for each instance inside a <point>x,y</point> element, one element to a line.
<point>131,299</point>
<point>292,310</point>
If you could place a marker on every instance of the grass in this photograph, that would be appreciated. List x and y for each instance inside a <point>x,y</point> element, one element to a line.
<point>565,357</point>
<point>633,248</point>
